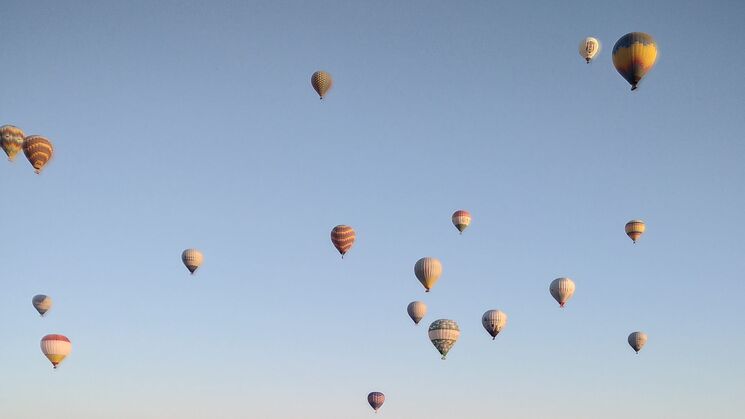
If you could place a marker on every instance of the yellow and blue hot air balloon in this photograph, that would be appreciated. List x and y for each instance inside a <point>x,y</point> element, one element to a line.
<point>634,55</point>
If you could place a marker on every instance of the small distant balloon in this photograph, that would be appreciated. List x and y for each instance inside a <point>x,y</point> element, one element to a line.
<point>494,321</point>
<point>55,348</point>
<point>376,400</point>
<point>589,48</point>
<point>192,259</point>
<point>637,340</point>
<point>428,271</point>
<point>343,237</point>
<point>417,310</point>
<point>634,55</point>
<point>562,290</point>
<point>635,229</point>
<point>461,220</point>
<point>11,140</point>
<point>38,151</point>
<point>42,303</point>
<point>443,334</point>
<point>321,82</point>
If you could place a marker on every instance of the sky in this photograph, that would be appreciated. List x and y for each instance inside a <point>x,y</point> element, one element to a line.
<point>181,124</point>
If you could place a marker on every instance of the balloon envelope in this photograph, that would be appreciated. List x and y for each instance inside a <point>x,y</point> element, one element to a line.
<point>589,48</point>
<point>562,290</point>
<point>637,340</point>
<point>38,151</point>
<point>634,55</point>
<point>55,348</point>
<point>461,219</point>
<point>376,400</point>
<point>321,82</point>
<point>11,140</point>
<point>428,271</point>
<point>42,303</point>
<point>343,237</point>
<point>443,333</point>
<point>192,258</point>
<point>494,321</point>
<point>417,310</point>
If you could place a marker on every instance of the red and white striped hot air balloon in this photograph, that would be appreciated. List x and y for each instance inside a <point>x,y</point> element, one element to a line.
<point>55,348</point>
<point>343,236</point>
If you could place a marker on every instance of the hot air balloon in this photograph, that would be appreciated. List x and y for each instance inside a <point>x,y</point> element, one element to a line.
<point>38,151</point>
<point>343,238</point>
<point>589,48</point>
<point>376,400</point>
<point>494,321</point>
<point>634,55</point>
<point>428,271</point>
<point>417,310</point>
<point>443,334</point>
<point>562,290</point>
<point>11,140</point>
<point>55,348</point>
<point>193,259</point>
<point>461,220</point>
<point>42,303</point>
<point>637,340</point>
<point>321,82</point>
<point>635,229</point>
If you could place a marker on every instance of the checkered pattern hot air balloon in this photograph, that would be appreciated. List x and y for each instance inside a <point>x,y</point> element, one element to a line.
<point>443,334</point>
<point>376,400</point>
<point>321,82</point>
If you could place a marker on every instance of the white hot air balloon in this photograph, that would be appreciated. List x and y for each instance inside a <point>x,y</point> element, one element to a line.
<point>42,303</point>
<point>55,348</point>
<point>428,271</point>
<point>417,310</point>
<point>637,340</point>
<point>193,259</point>
<point>589,48</point>
<point>562,290</point>
<point>494,321</point>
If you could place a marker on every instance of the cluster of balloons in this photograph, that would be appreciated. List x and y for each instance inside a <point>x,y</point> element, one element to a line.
<point>38,149</point>
<point>444,333</point>
<point>633,55</point>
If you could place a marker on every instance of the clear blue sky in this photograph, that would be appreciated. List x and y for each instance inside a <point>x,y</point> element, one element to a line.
<point>184,124</point>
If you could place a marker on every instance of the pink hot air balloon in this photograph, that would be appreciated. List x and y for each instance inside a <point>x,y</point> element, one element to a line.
<point>376,399</point>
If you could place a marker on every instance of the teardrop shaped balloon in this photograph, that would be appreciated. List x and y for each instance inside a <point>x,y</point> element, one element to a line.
<point>635,229</point>
<point>589,48</point>
<point>443,333</point>
<point>417,310</point>
<point>637,340</point>
<point>461,219</point>
<point>376,400</point>
<point>343,237</point>
<point>562,290</point>
<point>193,259</point>
<point>11,140</point>
<point>38,151</point>
<point>428,271</point>
<point>634,55</point>
<point>321,82</point>
<point>42,303</point>
<point>55,348</point>
<point>494,321</point>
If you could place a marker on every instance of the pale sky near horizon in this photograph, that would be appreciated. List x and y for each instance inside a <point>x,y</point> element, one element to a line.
<point>193,124</point>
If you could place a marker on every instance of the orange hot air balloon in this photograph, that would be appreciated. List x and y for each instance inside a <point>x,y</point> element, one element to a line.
<point>635,229</point>
<point>343,237</point>
<point>38,151</point>
<point>321,82</point>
